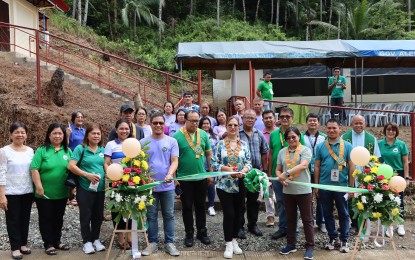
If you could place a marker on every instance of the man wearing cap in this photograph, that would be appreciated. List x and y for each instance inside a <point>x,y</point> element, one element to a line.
<point>188,102</point>
<point>337,85</point>
<point>127,112</point>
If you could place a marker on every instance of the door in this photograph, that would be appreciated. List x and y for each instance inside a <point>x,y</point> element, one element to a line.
<point>4,30</point>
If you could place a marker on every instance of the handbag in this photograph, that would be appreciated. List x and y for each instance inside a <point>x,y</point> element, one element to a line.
<point>72,179</point>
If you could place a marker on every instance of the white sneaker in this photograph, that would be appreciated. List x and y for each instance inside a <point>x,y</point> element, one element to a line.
<point>387,231</point>
<point>171,249</point>
<point>228,250</point>
<point>98,246</point>
<point>88,248</point>
<point>153,248</point>
<point>401,230</point>
<point>322,228</point>
<point>211,211</point>
<point>236,249</point>
<point>344,247</point>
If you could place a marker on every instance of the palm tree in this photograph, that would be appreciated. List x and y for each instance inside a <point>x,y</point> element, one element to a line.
<point>358,20</point>
<point>85,12</point>
<point>218,13</point>
<point>244,9</point>
<point>141,10</point>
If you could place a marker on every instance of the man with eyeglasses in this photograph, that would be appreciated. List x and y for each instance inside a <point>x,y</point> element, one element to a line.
<point>259,148</point>
<point>276,143</point>
<point>194,146</point>
<point>164,153</point>
<point>333,166</point>
<point>188,102</point>
<point>127,112</point>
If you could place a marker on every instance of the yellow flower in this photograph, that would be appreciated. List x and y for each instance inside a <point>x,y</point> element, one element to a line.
<point>137,163</point>
<point>360,206</point>
<point>377,214</point>
<point>144,165</point>
<point>373,158</point>
<point>125,177</point>
<point>151,202</point>
<point>125,160</point>
<point>136,179</point>
<point>377,164</point>
<point>355,173</point>
<point>368,178</point>
<point>141,205</point>
<point>384,181</point>
<point>374,170</point>
<point>142,154</point>
<point>395,211</point>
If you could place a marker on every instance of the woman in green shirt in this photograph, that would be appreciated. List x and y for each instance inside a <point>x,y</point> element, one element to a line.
<point>87,161</point>
<point>394,152</point>
<point>49,172</point>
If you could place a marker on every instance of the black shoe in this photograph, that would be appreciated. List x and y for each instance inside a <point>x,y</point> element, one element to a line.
<point>255,230</point>
<point>241,233</point>
<point>279,234</point>
<point>188,240</point>
<point>202,236</point>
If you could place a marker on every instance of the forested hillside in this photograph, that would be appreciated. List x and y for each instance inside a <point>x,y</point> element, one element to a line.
<point>148,31</point>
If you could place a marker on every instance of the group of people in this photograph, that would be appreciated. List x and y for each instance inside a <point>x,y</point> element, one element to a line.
<point>180,144</point>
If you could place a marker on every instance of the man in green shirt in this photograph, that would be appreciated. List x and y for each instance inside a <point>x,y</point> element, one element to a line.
<point>337,85</point>
<point>265,91</point>
<point>276,143</point>
<point>194,145</point>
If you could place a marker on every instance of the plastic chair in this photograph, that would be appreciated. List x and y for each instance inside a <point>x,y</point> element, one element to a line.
<point>382,117</point>
<point>373,114</point>
<point>404,119</point>
<point>351,114</point>
<point>324,114</point>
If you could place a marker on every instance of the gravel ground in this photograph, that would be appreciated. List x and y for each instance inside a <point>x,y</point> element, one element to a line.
<point>72,236</point>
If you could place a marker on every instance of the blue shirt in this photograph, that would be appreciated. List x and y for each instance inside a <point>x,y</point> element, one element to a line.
<point>187,109</point>
<point>327,163</point>
<point>76,137</point>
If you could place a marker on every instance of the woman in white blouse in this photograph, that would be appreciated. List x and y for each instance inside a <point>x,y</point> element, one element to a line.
<point>16,188</point>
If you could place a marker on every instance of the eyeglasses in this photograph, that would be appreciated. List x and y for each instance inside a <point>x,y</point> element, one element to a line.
<point>250,118</point>
<point>390,130</point>
<point>293,137</point>
<point>79,117</point>
<point>141,114</point>
<point>193,121</point>
<point>285,117</point>
<point>233,125</point>
<point>158,123</point>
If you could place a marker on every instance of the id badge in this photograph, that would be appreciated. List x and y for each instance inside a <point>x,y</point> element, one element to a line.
<point>271,92</point>
<point>335,175</point>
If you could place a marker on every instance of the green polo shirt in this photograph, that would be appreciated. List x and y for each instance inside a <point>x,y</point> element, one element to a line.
<point>188,163</point>
<point>52,167</point>
<point>337,91</point>
<point>266,90</point>
<point>276,143</point>
<point>92,162</point>
<point>392,154</point>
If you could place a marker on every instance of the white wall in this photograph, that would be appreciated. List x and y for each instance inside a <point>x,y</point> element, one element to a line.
<point>22,13</point>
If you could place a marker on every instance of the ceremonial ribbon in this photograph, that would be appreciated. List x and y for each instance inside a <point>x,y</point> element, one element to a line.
<point>340,158</point>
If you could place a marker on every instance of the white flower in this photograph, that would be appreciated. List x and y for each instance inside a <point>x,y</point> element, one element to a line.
<point>356,195</point>
<point>118,197</point>
<point>378,198</point>
<point>391,196</point>
<point>397,200</point>
<point>112,194</point>
<point>143,198</point>
<point>363,198</point>
<point>136,199</point>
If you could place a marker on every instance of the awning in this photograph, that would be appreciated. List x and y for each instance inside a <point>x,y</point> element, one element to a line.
<point>58,4</point>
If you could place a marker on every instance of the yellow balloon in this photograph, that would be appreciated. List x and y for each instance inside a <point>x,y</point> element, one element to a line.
<point>115,172</point>
<point>397,184</point>
<point>131,147</point>
<point>360,156</point>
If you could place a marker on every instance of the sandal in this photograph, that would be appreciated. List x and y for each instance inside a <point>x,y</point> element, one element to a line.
<point>17,257</point>
<point>125,245</point>
<point>63,247</point>
<point>73,202</point>
<point>50,251</point>
<point>26,252</point>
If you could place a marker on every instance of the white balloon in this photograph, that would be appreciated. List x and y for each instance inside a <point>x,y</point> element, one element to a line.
<point>360,156</point>
<point>115,172</point>
<point>131,147</point>
<point>397,184</point>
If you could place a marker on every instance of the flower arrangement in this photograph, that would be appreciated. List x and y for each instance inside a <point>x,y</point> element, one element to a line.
<point>381,202</point>
<point>257,181</point>
<point>126,196</point>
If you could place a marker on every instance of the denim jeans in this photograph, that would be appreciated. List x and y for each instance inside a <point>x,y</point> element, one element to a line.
<point>327,198</point>
<point>166,201</point>
<point>282,224</point>
<point>267,105</point>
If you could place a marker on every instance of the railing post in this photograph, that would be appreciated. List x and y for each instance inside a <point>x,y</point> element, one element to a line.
<point>168,87</point>
<point>413,145</point>
<point>199,86</point>
<point>39,93</point>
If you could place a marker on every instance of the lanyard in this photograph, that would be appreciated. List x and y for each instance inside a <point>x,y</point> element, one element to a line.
<point>337,158</point>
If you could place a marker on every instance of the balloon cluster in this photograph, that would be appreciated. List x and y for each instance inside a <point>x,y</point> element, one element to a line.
<point>131,147</point>
<point>360,156</point>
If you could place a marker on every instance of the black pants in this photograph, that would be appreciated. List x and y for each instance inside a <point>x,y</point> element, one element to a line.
<point>251,207</point>
<point>91,213</point>
<point>339,103</point>
<point>18,218</point>
<point>231,205</point>
<point>51,220</point>
<point>194,193</point>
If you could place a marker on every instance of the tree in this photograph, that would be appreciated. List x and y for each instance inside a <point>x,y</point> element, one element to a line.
<point>139,9</point>
<point>74,2</point>
<point>244,9</point>
<point>358,20</point>
<point>257,9</point>
<point>85,12</point>
<point>160,21</point>
<point>79,11</point>
<point>218,13</point>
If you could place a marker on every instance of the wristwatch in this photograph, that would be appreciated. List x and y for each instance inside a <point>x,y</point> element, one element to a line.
<point>408,178</point>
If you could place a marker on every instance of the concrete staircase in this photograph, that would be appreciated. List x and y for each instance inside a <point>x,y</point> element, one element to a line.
<point>20,59</point>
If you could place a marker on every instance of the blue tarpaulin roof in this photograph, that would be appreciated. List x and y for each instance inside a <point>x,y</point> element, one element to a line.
<point>277,54</point>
